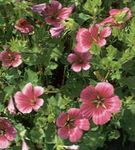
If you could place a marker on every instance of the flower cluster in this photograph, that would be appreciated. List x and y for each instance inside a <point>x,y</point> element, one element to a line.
<point>97,34</point>
<point>99,103</point>
<point>85,38</point>
<point>25,102</point>
<point>54,14</point>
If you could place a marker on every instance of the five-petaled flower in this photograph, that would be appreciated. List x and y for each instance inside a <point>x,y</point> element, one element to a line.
<point>99,102</point>
<point>7,133</point>
<point>54,14</point>
<point>10,59</point>
<point>117,17</point>
<point>72,125</point>
<point>94,34</point>
<point>23,26</point>
<point>28,99</point>
<point>79,61</point>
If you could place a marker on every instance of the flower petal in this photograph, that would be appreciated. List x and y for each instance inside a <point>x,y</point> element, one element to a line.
<point>74,113</point>
<point>72,58</point>
<point>4,143</point>
<point>25,109</point>
<point>19,96</point>
<point>65,13</point>
<point>55,4</point>
<point>39,103</point>
<point>56,31</point>
<point>84,40</point>
<point>75,134</point>
<point>38,90</point>
<point>113,104</point>
<point>113,12</point>
<point>28,90</point>
<point>23,104</point>
<point>107,21</point>
<point>17,62</point>
<point>87,109</point>
<point>24,146</point>
<point>101,42</point>
<point>63,132</point>
<point>18,59</point>
<point>86,66</point>
<point>94,31</point>
<point>105,32</point>
<point>11,133</point>
<point>11,106</point>
<point>61,120</point>
<point>101,116</point>
<point>39,8</point>
<point>88,94</point>
<point>76,67</point>
<point>129,14</point>
<point>104,89</point>
<point>83,124</point>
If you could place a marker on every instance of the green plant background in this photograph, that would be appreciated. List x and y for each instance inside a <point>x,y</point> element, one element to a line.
<point>45,64</point>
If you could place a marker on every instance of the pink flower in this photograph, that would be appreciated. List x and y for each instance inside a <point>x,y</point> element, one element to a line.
<point>28,99</point>
<point>122,14</point>
<point>71,125</point>
<point>117,17</point>
<point>56,31</point>
<point>24,145</point>
<point>23,26</point>
<point>54,13</point>
<point>86,37</point>
<point>11,106</point>
<point>99,102</point>
<point>79,61</point>
<point>99,33</point>
<point>7,133</point>
<point>9,58</point>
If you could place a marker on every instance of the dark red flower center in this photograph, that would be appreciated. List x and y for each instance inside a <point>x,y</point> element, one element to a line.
<point>10,57</point>
<point>80,61</point>
<point>2,132</point>
<point>70,123</point>
<point>99,101</point>
<point>33,101</point>
<point>22,22</point>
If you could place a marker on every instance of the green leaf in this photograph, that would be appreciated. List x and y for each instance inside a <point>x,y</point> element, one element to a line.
<point>37,135</point>
<point>95,49</point>
<point>92,6</point>
<point>30,76</point>
<point>128,123</point>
